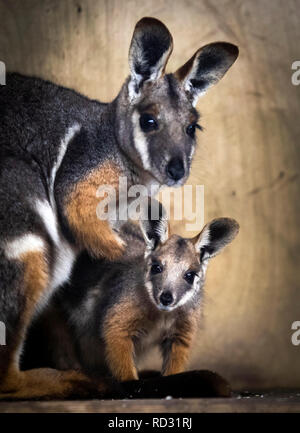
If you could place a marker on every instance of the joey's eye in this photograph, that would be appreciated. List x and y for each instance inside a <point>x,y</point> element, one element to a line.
<point>191,129</point>
<point>156,269</point>
<point>148,122</point>
<point>189,277</point>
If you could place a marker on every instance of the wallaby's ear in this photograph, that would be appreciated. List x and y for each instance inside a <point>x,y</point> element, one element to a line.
<point>154,223</point>
<point>215,236</point>
<point>207,66</point>
<point>150,49</point>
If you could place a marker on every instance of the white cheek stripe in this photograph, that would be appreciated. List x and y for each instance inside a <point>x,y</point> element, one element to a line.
<point>140,142</point>
<point>188,296</point>
<point>28,243</point>
<point>192,152</point>
<point>149,288</point>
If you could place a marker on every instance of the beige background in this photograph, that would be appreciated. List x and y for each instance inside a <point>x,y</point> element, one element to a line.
<point>248,157</point>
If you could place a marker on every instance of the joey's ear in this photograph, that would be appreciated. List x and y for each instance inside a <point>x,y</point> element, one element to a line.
<point>154,223</point>
<point>215,236</point>
<point>207,66</point>
<point>150,48</point>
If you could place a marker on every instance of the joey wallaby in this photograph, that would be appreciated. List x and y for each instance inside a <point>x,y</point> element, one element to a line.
<point>56,148</point>
<point>115,311</point>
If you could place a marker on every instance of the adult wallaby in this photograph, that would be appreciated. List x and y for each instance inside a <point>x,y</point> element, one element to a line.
<point>56,148</point>
<point>112,312</point>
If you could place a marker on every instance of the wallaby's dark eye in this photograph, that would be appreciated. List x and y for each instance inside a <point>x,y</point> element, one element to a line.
<point>148,122</point>
<point>189,277</point>
<point>156,269</point>
<point>191,129</point>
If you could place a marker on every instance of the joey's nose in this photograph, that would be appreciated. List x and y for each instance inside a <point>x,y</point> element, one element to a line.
<point>166,298</point>
<point>175,169</point>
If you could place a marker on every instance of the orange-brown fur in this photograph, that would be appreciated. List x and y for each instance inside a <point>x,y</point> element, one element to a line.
<point>46,382</point>
<point>35,279</point>
<point>178,355</point>
<point>120,326</point>
<point>36,275</point>
<point>94,234</point>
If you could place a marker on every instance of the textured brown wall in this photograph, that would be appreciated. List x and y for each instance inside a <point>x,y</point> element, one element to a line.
<point>248,157</point>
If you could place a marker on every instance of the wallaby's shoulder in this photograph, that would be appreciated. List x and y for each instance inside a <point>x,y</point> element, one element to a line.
<point>44,107</point>
<point>32,89</point>
<point>36,115</point>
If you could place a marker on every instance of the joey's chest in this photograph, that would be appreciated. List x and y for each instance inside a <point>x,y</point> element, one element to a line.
<point>154,332</point>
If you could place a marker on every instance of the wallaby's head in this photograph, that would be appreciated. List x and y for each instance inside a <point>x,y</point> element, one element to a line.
<point>157,118</point>
<point>175,266</point>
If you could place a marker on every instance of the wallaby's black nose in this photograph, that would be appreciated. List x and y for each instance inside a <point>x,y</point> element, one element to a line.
<point>166,298</point>
<point>175,169</point>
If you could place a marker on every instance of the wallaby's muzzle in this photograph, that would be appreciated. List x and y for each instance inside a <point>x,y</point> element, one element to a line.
<point>175,169</point>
